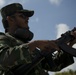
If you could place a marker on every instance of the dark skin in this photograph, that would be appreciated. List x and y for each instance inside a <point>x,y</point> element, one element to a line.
<point>18,20</point>
<point>74,41</point>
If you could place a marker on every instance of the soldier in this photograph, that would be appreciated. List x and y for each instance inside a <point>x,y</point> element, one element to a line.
<point>17,50</point>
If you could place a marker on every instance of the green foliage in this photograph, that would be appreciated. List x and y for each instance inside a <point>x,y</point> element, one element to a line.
<point>70,72</point>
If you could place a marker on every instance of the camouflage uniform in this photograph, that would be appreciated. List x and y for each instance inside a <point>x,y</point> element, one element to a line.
<point>14,52</point>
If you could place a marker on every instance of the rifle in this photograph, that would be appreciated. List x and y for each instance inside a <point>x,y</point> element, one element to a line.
<point>67,37</point>
<point>25,69</point>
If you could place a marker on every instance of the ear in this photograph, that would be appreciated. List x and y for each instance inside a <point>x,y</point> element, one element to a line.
<point>10,19</point>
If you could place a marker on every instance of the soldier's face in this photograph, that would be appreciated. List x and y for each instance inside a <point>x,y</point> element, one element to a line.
<point>21,20</point>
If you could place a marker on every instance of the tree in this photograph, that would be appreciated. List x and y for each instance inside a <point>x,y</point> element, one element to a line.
<point>69,72</point>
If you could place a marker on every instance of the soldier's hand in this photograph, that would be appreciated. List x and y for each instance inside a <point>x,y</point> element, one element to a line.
<point>43,45</point>
<point>73,33</point>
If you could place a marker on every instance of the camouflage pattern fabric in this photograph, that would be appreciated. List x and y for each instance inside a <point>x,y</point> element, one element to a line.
<point>13,8</point>
<point>14,52</point>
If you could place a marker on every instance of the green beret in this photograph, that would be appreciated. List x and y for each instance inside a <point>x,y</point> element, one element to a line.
<point>13,8</point>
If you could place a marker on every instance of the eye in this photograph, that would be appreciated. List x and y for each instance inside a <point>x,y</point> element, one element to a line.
<point>22,16</point>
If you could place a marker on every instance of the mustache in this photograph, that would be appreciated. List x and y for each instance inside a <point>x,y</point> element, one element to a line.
<point>27,28</point>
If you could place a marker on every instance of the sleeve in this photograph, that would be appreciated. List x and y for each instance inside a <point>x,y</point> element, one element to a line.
<point>13,55</point>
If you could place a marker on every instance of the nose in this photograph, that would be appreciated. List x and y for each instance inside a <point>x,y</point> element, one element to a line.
<point>27,18</point>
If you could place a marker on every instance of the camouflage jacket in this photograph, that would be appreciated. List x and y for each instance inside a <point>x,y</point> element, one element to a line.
<point>14,52</point>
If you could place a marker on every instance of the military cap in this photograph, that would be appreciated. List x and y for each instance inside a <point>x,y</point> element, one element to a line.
<point>11,9</point>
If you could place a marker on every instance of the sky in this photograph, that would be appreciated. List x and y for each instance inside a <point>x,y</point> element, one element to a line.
<point>50,20</point>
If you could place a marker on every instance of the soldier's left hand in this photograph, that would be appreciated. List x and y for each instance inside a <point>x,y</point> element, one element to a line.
<point>74,34</point>
<point>43,45</point>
